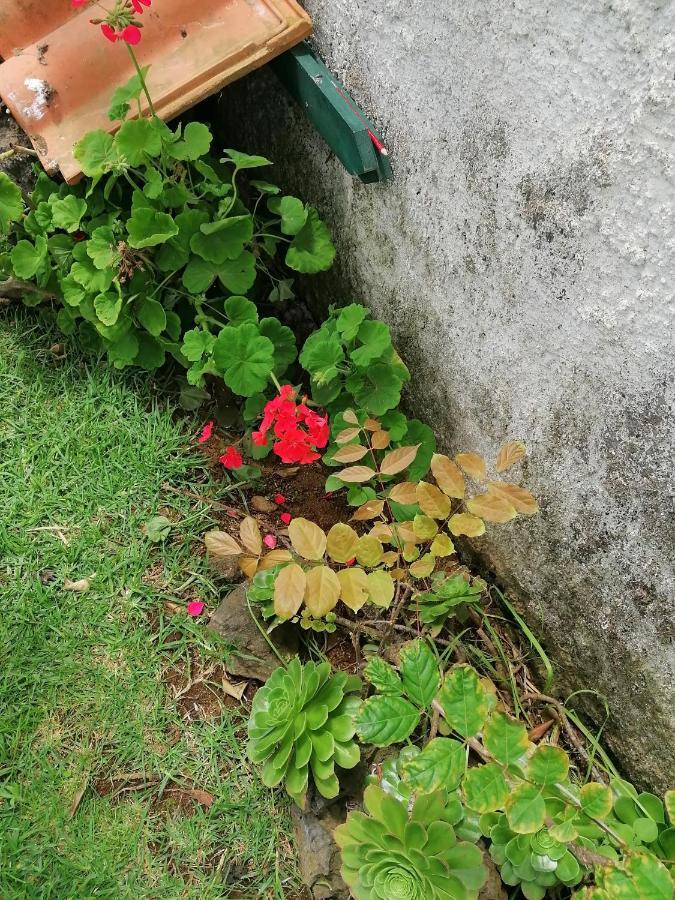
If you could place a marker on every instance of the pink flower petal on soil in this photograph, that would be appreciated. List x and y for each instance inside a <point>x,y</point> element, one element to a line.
<point>195,608</point>
<point>270,541</point>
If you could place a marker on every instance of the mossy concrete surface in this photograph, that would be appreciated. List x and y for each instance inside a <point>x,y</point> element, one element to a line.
<point>523,256</point>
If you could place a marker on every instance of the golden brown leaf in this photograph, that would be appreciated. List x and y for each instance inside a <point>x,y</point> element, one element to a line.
<point>262,504</point>
<point>349,453</point>
<point>372,425</point>
<point>289,591</point>
<point>308,540</point>
<point>368,510</point>
<point>380,588</point>
<point>369,551</point>
<point>448,475</point>
<point>249,565</point>
<point>380,440</point>
<point>424,566</point>
<point>79,586</point>
<point>322,591</point>
<point>353,587</point>
<point>381,531</point>
<point>405,533</point>
<point>509,454</point>
<point>341,542</point>
<point>350,416</point>
<point>433,501</point>
<point>220,544</point>
<point>399,574</point>
<point>411,552</point>
<point>473,464</point>
<point>397,460</point>
<point>249,534</point>
<point>491,507</point>
<point>348,434</point>
<point>405,492</point>
<point>355,474</point>
<point>463,523</point>
<point>273,558</point>
<point>390,558</point>
<point>522,500</point>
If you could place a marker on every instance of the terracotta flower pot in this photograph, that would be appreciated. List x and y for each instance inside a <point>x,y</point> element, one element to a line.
<point>58,85</point>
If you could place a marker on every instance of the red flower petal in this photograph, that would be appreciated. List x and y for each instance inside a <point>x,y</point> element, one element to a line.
<point>231,458</point>
<point>258,438</point>
<point>77,2</point>
<point>270,541</point>
<point>108,32</point>
<point>206,433</point>
<point>286,518</point>
<point>279,499</point>
<point>131,34</point>
<point>350,562</point>
<point>195,608</point>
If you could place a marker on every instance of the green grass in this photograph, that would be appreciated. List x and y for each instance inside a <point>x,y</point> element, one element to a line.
<point>81,689</point>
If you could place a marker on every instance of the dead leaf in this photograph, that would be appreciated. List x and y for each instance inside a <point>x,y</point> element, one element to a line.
<point>448,475</point>
<point>249,565</point>
<point>369,550</point>
<point>200,796</point>
<point>234,690</point>
<point>308,540</point>
<point>262,504</point>
<point>537,733</point>
<point>380,440</point>
<point>288,472</point>
<point>368,510</point>
<point>349,453</point>
<point>82,584</point>
<point>424,566</point>
<point>249,533</point>
<point>220,544</point>
<point>347,435</point>
<point>355,474</point>
<point>509,454</point>
<point>521,499</point>
<point>473,464</point>
<point>289,591</point>
<point>491,507</point>
<point>273,558</point>
<point>372,425</point>
<point>398,460</point>
<point>381,531</point>
<point>350,417</point>
<point>79,794</point>
<point>172,608</point>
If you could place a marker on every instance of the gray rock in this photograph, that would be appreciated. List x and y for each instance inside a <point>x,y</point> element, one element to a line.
<point>253,657</point>
<point>318,854</point>
<point>523,256</point>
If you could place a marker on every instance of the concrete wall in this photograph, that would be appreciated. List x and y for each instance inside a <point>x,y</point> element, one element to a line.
<point>523,256</point>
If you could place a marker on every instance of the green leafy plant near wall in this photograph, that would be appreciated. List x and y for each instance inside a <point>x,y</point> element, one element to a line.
<point>165,248</point>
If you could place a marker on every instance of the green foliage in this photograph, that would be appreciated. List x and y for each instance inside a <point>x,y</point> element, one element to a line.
<point>304,718</point>
<point>389,852</point>
<point>157,246</point>
<point>447,596</point>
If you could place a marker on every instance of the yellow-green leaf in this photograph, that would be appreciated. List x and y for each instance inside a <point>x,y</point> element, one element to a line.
<point>463,523</point>
<point>433,501</point>
<point>509,454</point>
<point>669,803</point>
<point>307,539</point>
<point>505,738</point>
<point>380,588</point>
<point>398,460</point>
<point>448,475</point>
<point>525,809</point>
<point>341,542</point>
<point>442,546</point>
<point>491,507</point>
<point>289,591</point>
<point>424,527</point>
<point>485,788</point>
<point>250,536</point>
<point>353,587</point>
<point>522,500</point>
<point>322,591</point>
<point>597,800</point>
<point>473,464</point>
<point>221,545</point>
<point>464,700</point>
<point>355,474</point>
<point>424,566</point>
<point>368,551</point>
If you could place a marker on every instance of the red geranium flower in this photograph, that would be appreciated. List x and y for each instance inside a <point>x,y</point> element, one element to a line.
<point>131,34</point>
<point>300,430</point>
<point>139,4</point>
<point>231,458</point>
<point>206,433</point>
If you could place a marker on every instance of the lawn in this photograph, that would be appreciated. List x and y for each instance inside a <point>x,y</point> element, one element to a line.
<point>96,756</point>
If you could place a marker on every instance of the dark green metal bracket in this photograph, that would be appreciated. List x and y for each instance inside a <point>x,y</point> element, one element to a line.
<point>347,130</point>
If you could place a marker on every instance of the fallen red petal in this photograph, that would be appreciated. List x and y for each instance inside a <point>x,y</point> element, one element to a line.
<point>195,608</point>
<point>286,518</point>
<point>279,499</point>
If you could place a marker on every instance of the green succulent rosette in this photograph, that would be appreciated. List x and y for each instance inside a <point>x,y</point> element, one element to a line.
<point>393,853</point>
<point>304,718</point>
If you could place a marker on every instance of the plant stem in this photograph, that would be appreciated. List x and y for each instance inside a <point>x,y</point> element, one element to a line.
<point>139,72</point>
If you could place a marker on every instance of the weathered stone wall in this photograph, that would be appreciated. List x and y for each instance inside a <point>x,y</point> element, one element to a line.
<point>523,256</point>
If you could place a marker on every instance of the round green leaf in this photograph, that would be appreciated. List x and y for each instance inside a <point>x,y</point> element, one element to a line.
<point>237,275</point>
<point>150,354</point>
<point>108,307</point>
<point>95,153</point>
<point>292,211</point>
<point>525,809</point>
<point>244,161</point>
<point>239,310</point>
<point>646,830</point>
<point>464,701</point>
<point>485,788</point>
<point>419,672</point>
<point>376,389</point>
<point>375,338</point>
<point>67,212</point>
<point>137,140</point>
<point>285,350</point>
<point>147,228</point>
<point>596,800</point>
<point>151,315</point>
<point>505,738</point>
<point>244,357</point>
<point>196,142</point>
<point>27,259</point>
<point>11,202</point>
<point>223,239</point>
<point>102,248</point>
<point>649,877</point>
<point>385,719</point>
<point>311,249</point>
<point>441,764</point>
<point>196,344</point>
<point>383,677</point>
<point>548,764</point>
